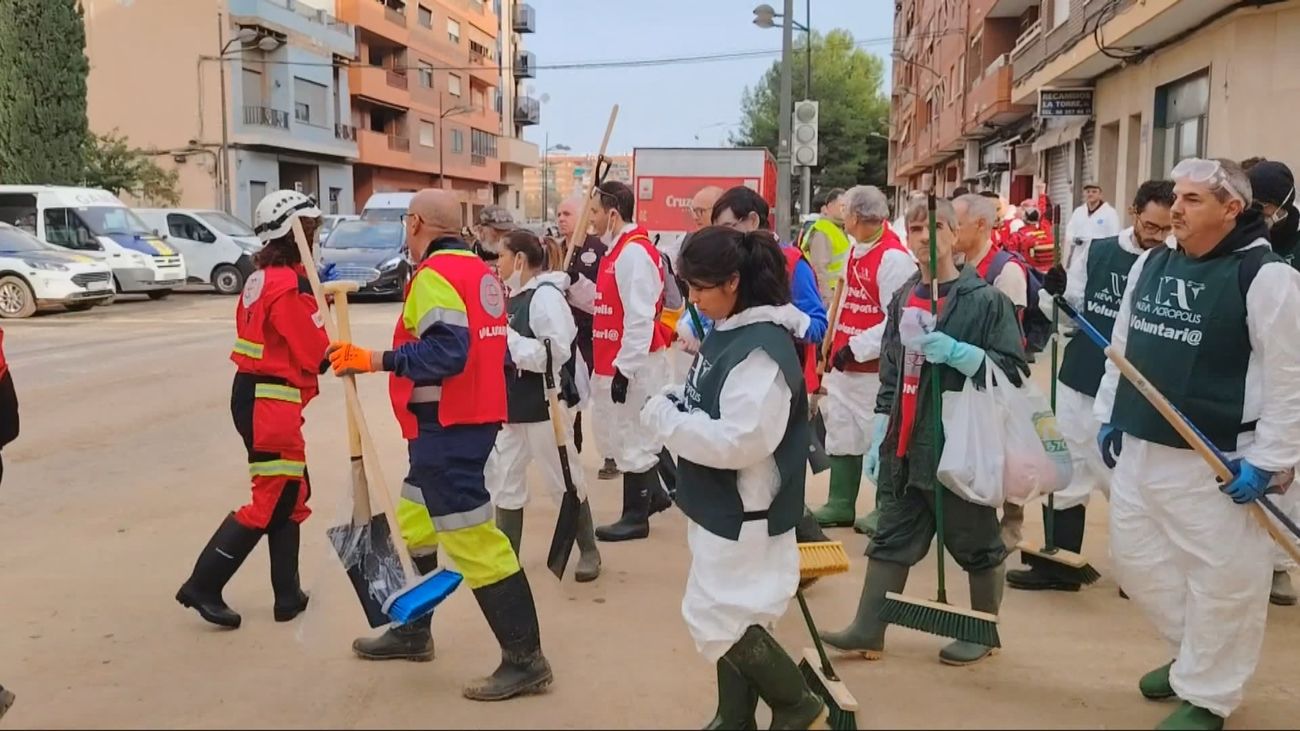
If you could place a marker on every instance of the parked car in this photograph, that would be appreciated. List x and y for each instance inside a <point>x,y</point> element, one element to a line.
<point>218,248</point>
<point>327,223</point>
<point>35,275</point>
<point>370,254</point>
<point>95,223</point>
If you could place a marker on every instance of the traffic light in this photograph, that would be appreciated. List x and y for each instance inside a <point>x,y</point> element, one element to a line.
<point>804,152</point>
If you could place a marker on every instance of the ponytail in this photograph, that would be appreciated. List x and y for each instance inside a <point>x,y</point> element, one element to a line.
<point>554,254</point>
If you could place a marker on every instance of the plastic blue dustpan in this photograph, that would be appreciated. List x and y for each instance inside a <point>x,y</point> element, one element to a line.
<point>421,597</point>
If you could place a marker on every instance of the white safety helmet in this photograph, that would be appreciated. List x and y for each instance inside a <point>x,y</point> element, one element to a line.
<point>274,215</point>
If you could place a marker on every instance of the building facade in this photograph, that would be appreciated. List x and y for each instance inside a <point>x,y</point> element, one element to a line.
<point>281,119</point>
<point>565,175</point>
<point>519,109</point>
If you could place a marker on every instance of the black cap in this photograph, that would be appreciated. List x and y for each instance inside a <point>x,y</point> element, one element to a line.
<point>1271,182</point>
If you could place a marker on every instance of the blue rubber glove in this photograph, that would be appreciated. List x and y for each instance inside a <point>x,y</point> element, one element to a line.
<point>327,272</point>
<point>943,348</point>
<point>1249,484</point>
<point>871,463</point>
<point>1110,441</point>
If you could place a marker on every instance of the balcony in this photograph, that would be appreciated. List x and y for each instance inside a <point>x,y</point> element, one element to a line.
<point>478,161</point>
<point>397,143</point>
<point>483,63</point>
<point>345,132</point>
<point>383,150</point>
<point>266,117</point>
<point>1028,51</point>
<point>374,17</point>
<point>525,65</point>
<point>381,85</point>
<point>395,15</point>
<point>397,80</point>
<point>294,16</point>
<point>517,152</point>
<point>525,20</point>
<point>988,103</point>
<point>528,111</point>
<point>1010,8</point>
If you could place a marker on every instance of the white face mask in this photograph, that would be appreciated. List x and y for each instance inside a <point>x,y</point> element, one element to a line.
<point>1280,214</point>
<point>514,282</point>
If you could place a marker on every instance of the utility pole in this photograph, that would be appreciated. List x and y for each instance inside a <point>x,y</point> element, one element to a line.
<point>225,119</point>
<point>784,115</point>
<point>805,173</point>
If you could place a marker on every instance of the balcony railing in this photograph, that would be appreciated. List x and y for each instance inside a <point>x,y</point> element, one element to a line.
<point>345,132</point>
<point>396,80</point>
<point>397,143</point>
<point>525,65</point>
<point>266,117</point>
<point>1030,35</point>
<point>395,16</point>
<point>525,20</point>
<point>478,160</point>
<point>528,110</point>
<point>313,15</point>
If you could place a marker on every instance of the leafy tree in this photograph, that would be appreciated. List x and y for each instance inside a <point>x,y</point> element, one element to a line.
<point>43,67</point>
<point>853,114</point>
<point>115,166</point>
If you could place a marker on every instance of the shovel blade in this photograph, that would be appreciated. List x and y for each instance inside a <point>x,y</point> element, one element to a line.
<point>370,558</point>
<point>566,533</point>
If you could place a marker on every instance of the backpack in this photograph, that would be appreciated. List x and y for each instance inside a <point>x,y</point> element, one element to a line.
<point>1036,327</point>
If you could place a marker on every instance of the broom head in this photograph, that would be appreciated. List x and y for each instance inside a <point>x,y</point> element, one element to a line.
<point>421,597</point>
<point>822,559</point>
<point>941,619</point>
<point>1066,565</point>
<point>841,706</point>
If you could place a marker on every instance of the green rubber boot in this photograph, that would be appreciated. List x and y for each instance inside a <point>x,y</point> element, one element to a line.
<point>737,701</point>
<point>985,596</point>
<point>841,507</point>
<point>778,681</point>
<point>866,634</point>
<point>1155,686</point>
<point>1188,717</point>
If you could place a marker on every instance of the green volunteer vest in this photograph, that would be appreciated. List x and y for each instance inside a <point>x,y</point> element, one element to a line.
<point>525,390</point>
<point>1188,335</point>
<point>840,245</point>
<point>709,496</point>
<point>1083,363</point>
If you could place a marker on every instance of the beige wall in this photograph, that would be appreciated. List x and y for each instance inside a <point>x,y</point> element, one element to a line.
<point>1254,94</point>
<point>145,83</point>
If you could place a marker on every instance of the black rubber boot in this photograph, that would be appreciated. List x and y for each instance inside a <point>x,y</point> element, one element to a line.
<point>412,641</point>
<point>282,543</point>
<point>511,522</point>
<point>608,470</point>
<point>588,568</point>
<point>808,530</point>
<point>1068,533</point>
<point>6,700</point>
<point>737,701</point>
<point>217,563</point>
<point>635,522</point>
<point>866,634</point>
<point>777,679</point>
<point>510,612</point>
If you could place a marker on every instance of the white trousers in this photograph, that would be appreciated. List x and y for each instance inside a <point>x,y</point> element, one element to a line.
<point>1196,563</point>
<point>617,427</point>
<point>849,408</point>
<point>1289,504</point>
<point>735,584</point>
<point>1080,428</point>
<point>519,445</point>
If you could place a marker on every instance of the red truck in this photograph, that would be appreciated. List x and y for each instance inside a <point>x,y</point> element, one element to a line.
<point>666,178</point>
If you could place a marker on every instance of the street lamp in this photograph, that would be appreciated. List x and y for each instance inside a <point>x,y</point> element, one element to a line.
<point>244,37</point>
<point>546,173</point>
<point>764,17</point>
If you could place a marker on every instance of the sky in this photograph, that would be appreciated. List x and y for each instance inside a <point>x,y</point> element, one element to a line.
<point>688,105</point>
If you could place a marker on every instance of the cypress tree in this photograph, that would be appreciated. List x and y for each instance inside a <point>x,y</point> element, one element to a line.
<point>43,67</point>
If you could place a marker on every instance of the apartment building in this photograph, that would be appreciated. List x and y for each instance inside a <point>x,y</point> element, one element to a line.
<point>1022,95</point>
<point>281,119</point>
<point>564,175</point>
<point>519,109</point>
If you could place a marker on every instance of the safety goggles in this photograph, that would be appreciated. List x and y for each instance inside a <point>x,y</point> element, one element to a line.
<point>1209,173</point>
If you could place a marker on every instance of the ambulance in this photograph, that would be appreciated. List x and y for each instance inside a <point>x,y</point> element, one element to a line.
<point>95,223</point>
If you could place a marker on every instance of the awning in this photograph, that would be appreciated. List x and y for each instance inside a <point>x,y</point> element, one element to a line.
<point>1058,132</point>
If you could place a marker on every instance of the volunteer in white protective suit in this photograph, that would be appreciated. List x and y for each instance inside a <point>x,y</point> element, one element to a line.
<point>878,265</point>
<point>539,314</point>
<point>740,430</point>
<point>1095,219</point>
<point>1212,325</point>
<point>630,350</point>
<point>1093,285</point>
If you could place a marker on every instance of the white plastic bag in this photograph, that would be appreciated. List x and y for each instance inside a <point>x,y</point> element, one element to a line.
<point>971,464</point>
<point>1036,460</point>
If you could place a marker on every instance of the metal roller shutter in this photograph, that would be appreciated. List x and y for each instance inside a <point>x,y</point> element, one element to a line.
<point>1059,184</point>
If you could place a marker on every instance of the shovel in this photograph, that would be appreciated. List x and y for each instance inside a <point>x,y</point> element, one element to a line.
<point>566,523</point>
<point>365,544</point>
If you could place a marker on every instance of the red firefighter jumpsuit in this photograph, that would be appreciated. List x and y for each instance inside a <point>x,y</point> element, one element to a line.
<point>279,348</point>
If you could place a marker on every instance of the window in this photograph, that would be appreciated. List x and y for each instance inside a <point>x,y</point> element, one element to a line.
<point>19,209</point>
<point>457,141</point>
<point>426,17</point>
<point>309,102</point>
<point>335,195</point>
<point>453,31</point>
<point>482,143</point>
<point>183,227</point>
<point>426,133</point>
<point>64,228</point>
<point>256,192</point>
<point>252,87</point>
<point>426,75</point>
<point>1181,113</point>
<point>1058,11</point>
<point>453,84</point>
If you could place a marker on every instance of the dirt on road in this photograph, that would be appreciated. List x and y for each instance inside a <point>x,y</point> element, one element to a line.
<point>128,460</point>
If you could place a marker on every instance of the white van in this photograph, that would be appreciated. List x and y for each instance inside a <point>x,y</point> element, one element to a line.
<point>218,248</point>
<point>95,223</point>
<point>386,206</point>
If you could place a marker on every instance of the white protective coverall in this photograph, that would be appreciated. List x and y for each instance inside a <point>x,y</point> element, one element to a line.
<point>849,407</point>
<point>1084,227</point>
<point>735,584</point>
<point>617,427</point>
<point>1074,410</point>
<point>506,474</point>
<point>1289,504</point>
<point>1197,564</point>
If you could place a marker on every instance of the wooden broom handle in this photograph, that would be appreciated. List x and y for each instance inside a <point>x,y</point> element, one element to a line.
<point>579,235</point>
<point>361,510</point>
<point>833,323</point>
